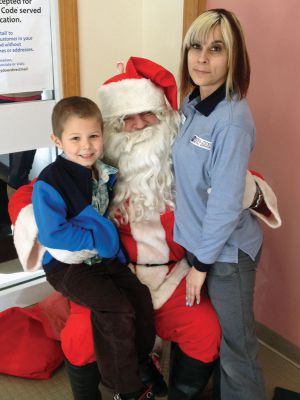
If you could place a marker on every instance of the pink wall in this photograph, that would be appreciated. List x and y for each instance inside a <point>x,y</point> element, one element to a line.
<point>272,34</point>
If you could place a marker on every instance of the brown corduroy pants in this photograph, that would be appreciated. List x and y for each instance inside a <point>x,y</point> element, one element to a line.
<point>122,317</point>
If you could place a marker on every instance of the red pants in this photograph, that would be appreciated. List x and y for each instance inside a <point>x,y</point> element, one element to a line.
<point>196,329</point>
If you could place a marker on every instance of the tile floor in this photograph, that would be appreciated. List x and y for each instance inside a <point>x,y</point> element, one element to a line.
<point>278,371</point>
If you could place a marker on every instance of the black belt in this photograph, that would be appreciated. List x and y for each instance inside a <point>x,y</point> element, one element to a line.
<point>156,265</point>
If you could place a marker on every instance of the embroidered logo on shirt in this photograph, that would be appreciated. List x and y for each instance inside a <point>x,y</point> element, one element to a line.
<point>204,144</point>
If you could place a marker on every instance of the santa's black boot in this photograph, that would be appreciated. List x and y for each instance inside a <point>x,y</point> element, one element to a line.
<point>84,381</point>
<point>217,381</point>
<point>150,375</point>
<point>188,376</point>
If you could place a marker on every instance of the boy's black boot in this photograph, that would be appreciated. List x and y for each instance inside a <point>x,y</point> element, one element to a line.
<point>188,376</point>
<point>150,375</point>
<point>84,381</point>
<point>143,394</point>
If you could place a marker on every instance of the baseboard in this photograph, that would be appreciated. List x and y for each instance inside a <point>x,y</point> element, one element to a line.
<point>25,294</point>
<point>278,343</point>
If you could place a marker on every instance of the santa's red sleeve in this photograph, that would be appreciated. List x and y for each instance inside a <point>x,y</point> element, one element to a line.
<point>76,335</point>
<point>29,250</point>
<point>268,210</point>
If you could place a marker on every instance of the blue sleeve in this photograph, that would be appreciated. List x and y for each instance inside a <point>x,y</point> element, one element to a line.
<point>224,207</point>
<point>87,231</point>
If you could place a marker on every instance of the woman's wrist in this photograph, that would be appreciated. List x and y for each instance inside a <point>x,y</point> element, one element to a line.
<point>198,265</point>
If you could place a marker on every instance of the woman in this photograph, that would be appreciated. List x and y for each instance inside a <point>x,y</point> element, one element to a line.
<point>211,155</point>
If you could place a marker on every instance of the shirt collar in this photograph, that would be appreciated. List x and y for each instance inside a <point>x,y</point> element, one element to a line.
<point>73,168</point>
<point>207,105</point>
<point>104,171</point>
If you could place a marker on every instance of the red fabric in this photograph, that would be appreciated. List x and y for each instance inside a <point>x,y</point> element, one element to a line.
<point>20,98</point>
<point>20,199</point>
<point>26,349</point>
<point>253,172</point>
<point>196,329</point>
<point>176,252</point>
<point>77,337</point>
<point>57,310</point>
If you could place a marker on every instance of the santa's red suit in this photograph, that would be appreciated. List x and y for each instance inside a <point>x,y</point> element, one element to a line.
<point>158,262</point>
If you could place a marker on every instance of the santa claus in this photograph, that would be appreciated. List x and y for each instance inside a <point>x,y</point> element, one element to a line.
<point>139,108</point>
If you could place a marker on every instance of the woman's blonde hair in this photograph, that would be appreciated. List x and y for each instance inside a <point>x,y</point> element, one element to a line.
<point>238,76</point>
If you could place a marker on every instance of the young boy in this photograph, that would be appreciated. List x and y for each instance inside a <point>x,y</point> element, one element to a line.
<point>83,259</point>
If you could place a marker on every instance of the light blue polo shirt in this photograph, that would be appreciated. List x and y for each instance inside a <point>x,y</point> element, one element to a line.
<point>212,150</point>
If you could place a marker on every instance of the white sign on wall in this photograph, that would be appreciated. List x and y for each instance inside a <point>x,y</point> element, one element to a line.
<point>25,46</point>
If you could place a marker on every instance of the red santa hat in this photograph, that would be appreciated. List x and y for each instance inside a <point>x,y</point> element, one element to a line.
<point>144,86</point>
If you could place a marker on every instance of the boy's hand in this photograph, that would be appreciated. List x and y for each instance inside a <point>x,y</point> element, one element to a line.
<point>194,282</point>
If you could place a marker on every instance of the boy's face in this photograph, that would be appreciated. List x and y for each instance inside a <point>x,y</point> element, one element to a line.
<point>81,140</point>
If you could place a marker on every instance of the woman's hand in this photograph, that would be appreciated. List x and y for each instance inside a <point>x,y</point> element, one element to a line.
<point>194,282</point>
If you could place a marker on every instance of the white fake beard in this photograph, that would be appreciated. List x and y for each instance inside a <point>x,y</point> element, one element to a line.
<point>145,179</point>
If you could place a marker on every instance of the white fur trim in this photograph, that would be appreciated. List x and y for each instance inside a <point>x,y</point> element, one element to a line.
<point>150,237</point>
<point>71,257</point>
<point>153,277</point>
<point>130,96</point>
<point>158,346</point>
<point>152,248</point>
<point>250,190</point>
<point>161,284</point>
<point>29,250</point>
<point>274,220</point>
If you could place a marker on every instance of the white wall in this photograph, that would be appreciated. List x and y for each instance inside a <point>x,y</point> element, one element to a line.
<point>162,32</point>
<point>112,31</point>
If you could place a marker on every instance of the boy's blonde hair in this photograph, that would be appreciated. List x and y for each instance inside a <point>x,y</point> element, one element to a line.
<point>238,76</point>
<point>74,106</point>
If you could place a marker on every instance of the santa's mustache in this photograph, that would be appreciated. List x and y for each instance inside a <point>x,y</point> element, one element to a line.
<point>118,144</point>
